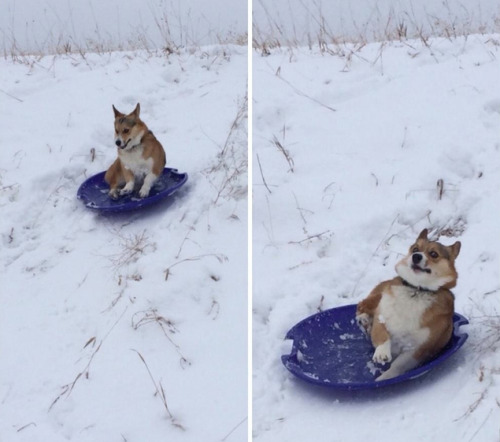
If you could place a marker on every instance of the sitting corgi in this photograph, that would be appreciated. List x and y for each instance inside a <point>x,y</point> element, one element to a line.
<point>410,317</point>
<point>140,156</point>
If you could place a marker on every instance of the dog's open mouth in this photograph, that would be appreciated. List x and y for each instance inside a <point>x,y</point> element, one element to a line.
<point>126,144</point>
<point>418,269</point>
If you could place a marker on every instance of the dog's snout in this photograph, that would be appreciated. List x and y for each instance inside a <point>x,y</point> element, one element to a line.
<point>118,143</point>
<point>416,258</point>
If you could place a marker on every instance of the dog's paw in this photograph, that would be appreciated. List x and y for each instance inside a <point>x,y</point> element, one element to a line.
<point>125,191</point>
<point>382,354</point>
<point>128,188</point>
<point>144,192</point>
<point>113,194</point>
<point>364,322</point>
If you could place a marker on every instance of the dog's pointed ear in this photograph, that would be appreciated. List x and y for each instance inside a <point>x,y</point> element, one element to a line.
<point>455,249</point>
<point>117,112</point>
<point>423,235</point>
<point>137,110</point>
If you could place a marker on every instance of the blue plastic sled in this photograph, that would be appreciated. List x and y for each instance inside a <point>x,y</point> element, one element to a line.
<point>94,192</point>
<point>329,349</point>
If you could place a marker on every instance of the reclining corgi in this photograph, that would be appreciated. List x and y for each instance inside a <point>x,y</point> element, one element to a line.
<point>141,157</point>
<point>410,317</point>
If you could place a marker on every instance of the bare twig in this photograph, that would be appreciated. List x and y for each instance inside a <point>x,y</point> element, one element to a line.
<point>473,406</point>
<point>262,175</point>
<point>303,94</point>
<point>161,393</point>
<point>167,326</point>
<point>132,248</point>
<point>68,388</point>
<point>384,239</point>
<point>234,429</point>
<point>220,257</point>
<point>285,153</point>
<point>31,424</point>
<point>302,211</point>
<point>440,188</point>
<point>11,96</point>
<point>309,238</point>
<point>186,237</point>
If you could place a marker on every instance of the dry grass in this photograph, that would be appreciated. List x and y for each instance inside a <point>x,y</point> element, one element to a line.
<point>279,145</point>
<point>132,247</point>
<point>346,40</point>
<point>160,393</point>
<point>228,176</point>
<point>169,31</point>
<point>67,389</point>
<point>167,326</point>
<point>490,331</point>
<point>220,257</point>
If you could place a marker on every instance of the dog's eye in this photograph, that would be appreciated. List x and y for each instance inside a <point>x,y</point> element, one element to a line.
<point>434,254</point>
<point>126,131</point>
<point>414,250</point>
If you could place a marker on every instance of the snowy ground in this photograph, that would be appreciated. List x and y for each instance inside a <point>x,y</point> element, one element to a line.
<point>354,152</point>
<point>101,315</point>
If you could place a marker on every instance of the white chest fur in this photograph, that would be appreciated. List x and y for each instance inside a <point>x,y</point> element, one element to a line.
<point>401,312</point>
<point>134,161</point>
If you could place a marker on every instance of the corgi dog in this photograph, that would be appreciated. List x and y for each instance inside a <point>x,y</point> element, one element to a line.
<point>410,317</point>
<point>141,157</point>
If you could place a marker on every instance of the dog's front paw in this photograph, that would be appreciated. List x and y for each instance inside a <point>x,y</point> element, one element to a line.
<point>114,194</point>
<point>125,191</point>
<point>382,353</point>
<point>144,192</point>
<point>364,322</point>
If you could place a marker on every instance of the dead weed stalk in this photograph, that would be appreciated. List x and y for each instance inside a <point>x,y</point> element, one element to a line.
<point>219,256</point>
<point>67,389</point>
<point>151,316</point>
<point>285,153</point>
<point>160,392</point>
<point>228,176</point>
<point>132,248</point>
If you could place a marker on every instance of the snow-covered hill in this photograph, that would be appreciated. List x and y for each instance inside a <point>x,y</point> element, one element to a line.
<point>355,150</point>
<point>118,327</point>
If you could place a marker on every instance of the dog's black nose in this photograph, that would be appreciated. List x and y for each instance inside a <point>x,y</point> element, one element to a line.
<point>416,258</point>
<point>118,143</point>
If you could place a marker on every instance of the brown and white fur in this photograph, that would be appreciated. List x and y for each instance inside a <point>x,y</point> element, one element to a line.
<point>410,317</point>
<point>140,156</point>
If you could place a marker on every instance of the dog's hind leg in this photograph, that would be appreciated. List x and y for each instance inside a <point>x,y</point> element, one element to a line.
<point>404,362</point>
<point>113,177</point>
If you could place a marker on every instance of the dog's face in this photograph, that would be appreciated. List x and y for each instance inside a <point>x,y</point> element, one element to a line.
<point>429,264</point>
<point>129,129</point>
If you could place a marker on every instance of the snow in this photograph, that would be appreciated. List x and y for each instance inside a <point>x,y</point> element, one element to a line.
<point>101,315</point>
<point>356,149</point>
